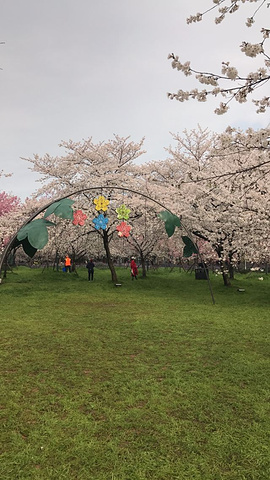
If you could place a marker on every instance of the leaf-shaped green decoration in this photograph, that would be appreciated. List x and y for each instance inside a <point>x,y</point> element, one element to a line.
<point>189,247</point>
<point>27,247</point>
<point>171,221</point>
<point>164,215</point>
<point>169,227</point>
<point>177,221</point>
<point>36,232</point>
<point>61,209</point>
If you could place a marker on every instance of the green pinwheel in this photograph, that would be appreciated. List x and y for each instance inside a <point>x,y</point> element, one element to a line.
<point>123,212</point>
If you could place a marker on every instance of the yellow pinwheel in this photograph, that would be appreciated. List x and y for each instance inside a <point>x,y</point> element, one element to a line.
<point>101,203</point>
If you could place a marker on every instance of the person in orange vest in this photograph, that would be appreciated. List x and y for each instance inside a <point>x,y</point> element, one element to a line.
<point>68,264</point>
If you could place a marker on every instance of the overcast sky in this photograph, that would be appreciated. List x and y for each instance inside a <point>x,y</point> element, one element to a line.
<point>94,68</point>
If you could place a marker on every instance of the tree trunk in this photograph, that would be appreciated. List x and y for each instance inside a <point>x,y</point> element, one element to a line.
<point>109,258</point>
<point>230,266</point>
<point>143,264</point>
<point>56,261</point>
<point>225,277</point>
<point>73,260</point>
<point>5,269</point>
<point>231,271</point>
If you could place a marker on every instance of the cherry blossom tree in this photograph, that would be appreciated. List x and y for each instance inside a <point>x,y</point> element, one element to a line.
<point>217,184</point>
<point>241,85</point>
<point>8,203</point>
<point>145,236</point>
<point>224,200</point>
<point>86,165</point>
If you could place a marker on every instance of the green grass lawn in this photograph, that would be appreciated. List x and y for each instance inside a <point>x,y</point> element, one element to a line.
<point>149,380</point>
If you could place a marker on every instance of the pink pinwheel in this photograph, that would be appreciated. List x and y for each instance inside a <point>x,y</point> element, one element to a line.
<point>123,229</point>
<point>79,217</point>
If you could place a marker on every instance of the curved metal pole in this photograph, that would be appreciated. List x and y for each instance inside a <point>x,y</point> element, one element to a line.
<point>82,190</point>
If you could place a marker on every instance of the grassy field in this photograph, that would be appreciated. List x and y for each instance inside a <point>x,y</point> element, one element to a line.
<point>149,380</point>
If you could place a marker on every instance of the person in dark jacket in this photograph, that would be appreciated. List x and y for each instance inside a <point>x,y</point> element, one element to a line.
<point>90,267</point>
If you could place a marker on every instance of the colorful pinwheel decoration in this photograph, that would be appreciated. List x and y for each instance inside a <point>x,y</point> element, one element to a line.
<point>123,212</point>
<point>100,222</point>
<point>123,229</point>
<point>101,203</point>
<point>79,217</point>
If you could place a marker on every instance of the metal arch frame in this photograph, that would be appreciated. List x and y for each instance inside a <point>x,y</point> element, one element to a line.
<point>9,246</point>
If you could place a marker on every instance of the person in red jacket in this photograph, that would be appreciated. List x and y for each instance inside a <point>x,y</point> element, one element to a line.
<point>134,269</point>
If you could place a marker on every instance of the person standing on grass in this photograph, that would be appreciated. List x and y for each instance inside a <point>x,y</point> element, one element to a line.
<point>68,264</point>
<point>90,267</point>
<point>134,269</point>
